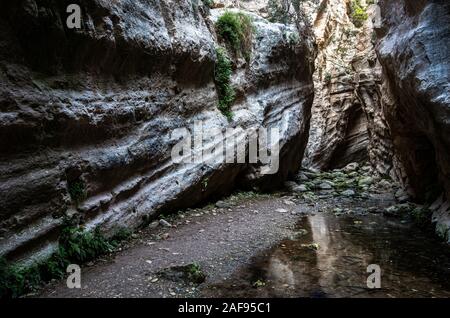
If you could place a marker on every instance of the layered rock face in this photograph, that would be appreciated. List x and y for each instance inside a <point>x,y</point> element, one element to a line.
<point>87,114</point>
<point>413,50</point>
<point>348,122</point>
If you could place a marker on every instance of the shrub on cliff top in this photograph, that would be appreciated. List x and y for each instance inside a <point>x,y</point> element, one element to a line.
<point>358,13</point>
<point>237,30</point>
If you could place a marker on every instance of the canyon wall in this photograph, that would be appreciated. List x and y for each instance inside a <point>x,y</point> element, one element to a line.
<point>413,50</point>
<point>382,95</point>
<point>87,114</point>
<point>348,122</point>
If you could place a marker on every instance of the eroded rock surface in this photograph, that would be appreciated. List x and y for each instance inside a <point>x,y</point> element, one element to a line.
<point>348,122</point>
<point>87,115</point>
<point>413,50</point>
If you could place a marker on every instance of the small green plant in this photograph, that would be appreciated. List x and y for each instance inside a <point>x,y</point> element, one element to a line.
<point>195,273</point>
<point>122,234</point>
<point>9,276</point>
<point>80,246</point>
<point>259,283</point>
<point>222,76</point>
<point>358,13</point>
<point>76,246</point>
<point>236,29</point>
<point>77,190</point>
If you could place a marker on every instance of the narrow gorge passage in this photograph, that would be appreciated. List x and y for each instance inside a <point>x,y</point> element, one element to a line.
<point>225,148</point>
<point>278,245</point>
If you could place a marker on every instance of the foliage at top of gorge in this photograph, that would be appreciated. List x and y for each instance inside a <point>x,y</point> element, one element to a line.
<point>236,28</point>
<point>358,13</point>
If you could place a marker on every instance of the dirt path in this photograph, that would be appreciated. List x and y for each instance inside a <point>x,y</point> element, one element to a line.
<point>221,240</point>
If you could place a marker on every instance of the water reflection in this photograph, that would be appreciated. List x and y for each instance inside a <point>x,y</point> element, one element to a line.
<point>327,256</point>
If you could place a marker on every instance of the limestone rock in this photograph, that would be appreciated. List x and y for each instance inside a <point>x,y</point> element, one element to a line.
<point>351,167</point>
<point>413,50</point>
<point>87,115</point>
<point>365,181</point>
<point>349,124</point>
<point>165,223</point>
<point>348,193</point>
<point>325,186</point>
<point>301,188</point>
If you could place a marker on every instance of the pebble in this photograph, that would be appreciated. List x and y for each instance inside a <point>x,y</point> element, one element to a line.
<point>325,186</point>
<point>222,204</point>
<point>348,193</point>
<point>300,188</point>
<point>165,223</point>
<point>164,236</point>
<point>153,225</point>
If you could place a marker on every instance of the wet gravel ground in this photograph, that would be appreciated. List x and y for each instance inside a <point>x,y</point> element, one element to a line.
<point>220,240</point>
